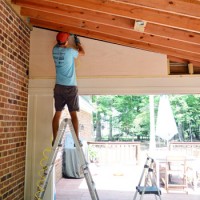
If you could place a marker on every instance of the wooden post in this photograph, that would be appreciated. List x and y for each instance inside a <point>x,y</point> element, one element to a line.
<point>190,68</point>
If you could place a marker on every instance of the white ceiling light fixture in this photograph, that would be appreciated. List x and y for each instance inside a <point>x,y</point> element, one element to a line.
<point>139,25</point>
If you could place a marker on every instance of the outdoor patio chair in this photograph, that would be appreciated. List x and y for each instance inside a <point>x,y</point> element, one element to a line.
<point>176,173</point>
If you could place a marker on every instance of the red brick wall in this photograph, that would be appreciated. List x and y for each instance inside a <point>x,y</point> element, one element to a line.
<point>14,62</point>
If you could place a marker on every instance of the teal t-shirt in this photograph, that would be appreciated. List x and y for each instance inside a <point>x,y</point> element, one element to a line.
<point>65,66</point>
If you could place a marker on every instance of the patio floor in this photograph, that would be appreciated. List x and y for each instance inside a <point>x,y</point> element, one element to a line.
<point>115,182</point>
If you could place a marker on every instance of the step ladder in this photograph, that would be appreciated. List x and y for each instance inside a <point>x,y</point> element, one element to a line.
<point>149,181</point>
<point>52,157</point>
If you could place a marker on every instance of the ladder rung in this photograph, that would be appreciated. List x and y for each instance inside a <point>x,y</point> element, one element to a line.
<point>148,190</point>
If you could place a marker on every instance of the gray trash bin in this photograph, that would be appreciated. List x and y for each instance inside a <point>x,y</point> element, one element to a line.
<point>71,164</point>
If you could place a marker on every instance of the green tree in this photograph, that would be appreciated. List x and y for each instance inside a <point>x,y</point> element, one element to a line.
<point>186,110</point>
<point>127,108</point>
<point>130,114</point>
<point>103,105</point>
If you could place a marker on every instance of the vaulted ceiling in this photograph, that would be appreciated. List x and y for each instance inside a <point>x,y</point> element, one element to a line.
<point>170,27</point>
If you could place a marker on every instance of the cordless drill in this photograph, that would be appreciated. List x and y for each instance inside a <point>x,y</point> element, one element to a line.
<point>76,40</point>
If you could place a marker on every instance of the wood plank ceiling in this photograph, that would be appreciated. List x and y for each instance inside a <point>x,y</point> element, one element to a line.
<point>170,27</point>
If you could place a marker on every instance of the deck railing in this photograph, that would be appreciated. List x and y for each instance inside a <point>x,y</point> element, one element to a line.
<point>188,148</point>
<point>114,152</point>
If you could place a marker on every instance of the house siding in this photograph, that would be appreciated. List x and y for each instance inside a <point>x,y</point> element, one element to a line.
<point>14,64</point>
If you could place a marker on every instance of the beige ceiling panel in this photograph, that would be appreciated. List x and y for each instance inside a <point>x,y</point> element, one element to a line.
<point>101,60</point>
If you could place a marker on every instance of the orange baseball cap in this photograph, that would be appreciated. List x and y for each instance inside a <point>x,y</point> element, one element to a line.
<point>62,37</point>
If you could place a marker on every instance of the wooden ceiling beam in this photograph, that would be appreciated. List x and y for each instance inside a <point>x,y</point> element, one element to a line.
<point>123,33</point>
<point>184,7</point>
<point>78,13</point>
<point>173,33</point>
<point>180,60</point>
<point>111,20</point>
<point>135,12</point>
<point>114,39</point>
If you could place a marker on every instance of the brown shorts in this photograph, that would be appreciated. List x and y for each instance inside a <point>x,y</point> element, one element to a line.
<point>66,95</point>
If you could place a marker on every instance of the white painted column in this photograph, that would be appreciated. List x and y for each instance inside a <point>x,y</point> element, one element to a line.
<point>152,144</point>
<point>39,136</point>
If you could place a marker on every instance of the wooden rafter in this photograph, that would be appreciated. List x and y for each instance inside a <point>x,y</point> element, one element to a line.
<point>115,31</point>
<point>111,20</point>
<point>173,27</point>
<point>184,7</point>
<point>132,12</point>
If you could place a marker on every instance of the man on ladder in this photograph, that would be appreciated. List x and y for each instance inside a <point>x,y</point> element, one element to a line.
<point>66,91</point>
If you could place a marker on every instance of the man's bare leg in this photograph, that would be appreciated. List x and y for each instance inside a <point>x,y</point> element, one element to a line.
<point>75,123</point>
<point>55,124</point>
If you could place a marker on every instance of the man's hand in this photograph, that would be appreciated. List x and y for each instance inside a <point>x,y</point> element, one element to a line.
<point>80,50</point>
<point>78,46</point>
